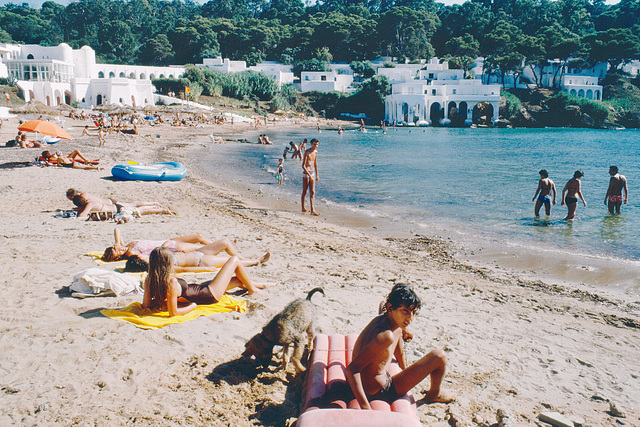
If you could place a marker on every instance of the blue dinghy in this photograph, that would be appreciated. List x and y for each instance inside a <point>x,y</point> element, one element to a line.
<point>169,171</point>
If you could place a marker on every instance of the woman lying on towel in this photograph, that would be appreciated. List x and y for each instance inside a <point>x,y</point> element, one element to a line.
<point>74,160</point>
<point>193,251</point>
<point>162,291</point>
<point>189,243</point>
<point>87,203</point>
<point>204,259</point>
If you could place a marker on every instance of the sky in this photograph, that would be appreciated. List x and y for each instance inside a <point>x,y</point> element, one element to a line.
<point>37,3</point>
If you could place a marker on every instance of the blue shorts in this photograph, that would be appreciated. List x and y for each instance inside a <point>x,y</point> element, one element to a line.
<point>544,199</point>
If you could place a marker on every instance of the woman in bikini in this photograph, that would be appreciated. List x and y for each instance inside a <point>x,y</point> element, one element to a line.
<point>165,292</point>
<point>193,251</point>
<point>573,191</point>
<point>204,259</point>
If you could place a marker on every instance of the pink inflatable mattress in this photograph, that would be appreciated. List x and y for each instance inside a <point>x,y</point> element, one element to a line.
<point>331,356</point>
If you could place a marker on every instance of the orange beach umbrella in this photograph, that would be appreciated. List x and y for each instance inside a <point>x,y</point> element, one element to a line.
<point>44,127</point>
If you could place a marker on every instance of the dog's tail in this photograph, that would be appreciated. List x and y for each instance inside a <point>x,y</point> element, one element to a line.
<point>313,291</point>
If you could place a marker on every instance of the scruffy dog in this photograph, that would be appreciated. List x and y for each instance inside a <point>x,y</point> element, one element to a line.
<point>291,326</point>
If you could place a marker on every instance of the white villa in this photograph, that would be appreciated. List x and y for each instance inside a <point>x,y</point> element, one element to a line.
<point>441,96</point>
<point>581,82</point>
<point>59,74</point>
<point>325,81</point>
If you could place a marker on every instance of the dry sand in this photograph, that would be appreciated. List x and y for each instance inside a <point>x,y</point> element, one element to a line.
<point>521,346</point>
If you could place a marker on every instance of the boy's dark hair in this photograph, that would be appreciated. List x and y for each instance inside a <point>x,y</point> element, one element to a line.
<point>403,294</point>
<point>578,174</point>
<point>613,169</point>
<point>543,173</point>
<point>135,263</point>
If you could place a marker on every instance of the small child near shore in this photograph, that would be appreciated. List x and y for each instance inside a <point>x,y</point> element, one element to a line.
<point>380,342</point>
<point>280,171</point>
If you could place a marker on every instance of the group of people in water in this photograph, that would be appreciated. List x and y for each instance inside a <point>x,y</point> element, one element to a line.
<point>546,192</point>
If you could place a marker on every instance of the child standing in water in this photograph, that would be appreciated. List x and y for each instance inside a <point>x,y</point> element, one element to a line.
<point>280,172</point>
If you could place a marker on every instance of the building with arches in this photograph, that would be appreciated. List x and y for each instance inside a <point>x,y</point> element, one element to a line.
<point>59,74</point>
<point>441,97</point>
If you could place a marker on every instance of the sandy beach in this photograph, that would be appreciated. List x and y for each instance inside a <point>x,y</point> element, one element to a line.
<point>513,343</point>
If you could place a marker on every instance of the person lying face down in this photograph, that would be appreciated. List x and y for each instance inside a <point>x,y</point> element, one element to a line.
<point>87,202</point>
<point>165,292</point>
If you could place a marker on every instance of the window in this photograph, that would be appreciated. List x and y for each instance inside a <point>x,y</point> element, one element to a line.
<point>454,91</point>
<point>431,75</point>
<point>433,91</point>
<point>29,56</point>
<point>323,78</point>
<point>306,78</point>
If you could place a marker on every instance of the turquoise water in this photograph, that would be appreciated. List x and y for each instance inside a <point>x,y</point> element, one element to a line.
<point>475,182</point>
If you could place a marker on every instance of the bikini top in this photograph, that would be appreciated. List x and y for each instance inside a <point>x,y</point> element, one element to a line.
<point>146,246</point>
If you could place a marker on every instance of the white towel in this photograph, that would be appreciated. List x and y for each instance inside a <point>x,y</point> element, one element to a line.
<point>96,281</point>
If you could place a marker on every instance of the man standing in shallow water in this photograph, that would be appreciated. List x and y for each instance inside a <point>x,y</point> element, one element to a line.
<point>310,175</point>
<point>617,183</point>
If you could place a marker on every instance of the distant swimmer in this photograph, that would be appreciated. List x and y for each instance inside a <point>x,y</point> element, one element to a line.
<point>545,187</point>
<point>617,184</point>
<point>310,175</point>
<point>573,190</point>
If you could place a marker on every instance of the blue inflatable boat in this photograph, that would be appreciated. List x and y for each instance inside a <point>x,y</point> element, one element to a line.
<point>169,171</point>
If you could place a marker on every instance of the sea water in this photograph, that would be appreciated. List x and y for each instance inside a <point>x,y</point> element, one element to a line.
<point>473,184</point>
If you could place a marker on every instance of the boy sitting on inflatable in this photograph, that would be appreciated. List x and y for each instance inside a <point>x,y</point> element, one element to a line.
<point>381,341</point>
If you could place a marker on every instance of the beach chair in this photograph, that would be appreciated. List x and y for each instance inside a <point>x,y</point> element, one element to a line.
<point>331,356</point>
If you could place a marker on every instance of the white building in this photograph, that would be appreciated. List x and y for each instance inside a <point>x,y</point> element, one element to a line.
<point>325,81</point>
<point>59,74</point>
<point>578,81</point>
<point>224,65</point>
<point>633,68</point>
<point>582,86</point>
<point>280,73</point>
<point>441,96</point>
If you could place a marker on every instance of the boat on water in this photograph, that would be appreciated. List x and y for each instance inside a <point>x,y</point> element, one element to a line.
<point>168,171</point>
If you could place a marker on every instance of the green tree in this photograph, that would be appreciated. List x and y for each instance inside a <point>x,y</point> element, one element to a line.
<point>405,33</point>
<point>501,47</point>
<point>156,51</point>
<point>617,46</point>
<point>362,70</point>
<point>463,51</point>
<point>559,43</point>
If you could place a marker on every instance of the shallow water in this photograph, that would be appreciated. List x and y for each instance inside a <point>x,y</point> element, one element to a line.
<point>475,184</point>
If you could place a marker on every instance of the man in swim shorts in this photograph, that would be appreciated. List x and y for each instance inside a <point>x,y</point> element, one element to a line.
<point>617,184</point>
<point>545,187</point>
<point>310,175</point>
<point>381,341</point>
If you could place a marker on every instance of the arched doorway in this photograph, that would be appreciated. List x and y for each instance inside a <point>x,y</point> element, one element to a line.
<point>482,114</point>
<point>48,101</point>
<point>462,110</point>
<point>32,95</point>
<point>112,75</point>
<point>67,98</point>
<point>101,75</point>
<point>405,112</point>
<point>589,94</point>
<point>122,75</point>
<point>436,113</point>
<point>99,99</point>
<point>452,110</point>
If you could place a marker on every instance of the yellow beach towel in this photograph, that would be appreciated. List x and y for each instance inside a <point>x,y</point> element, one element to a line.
<point>148,319</point>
